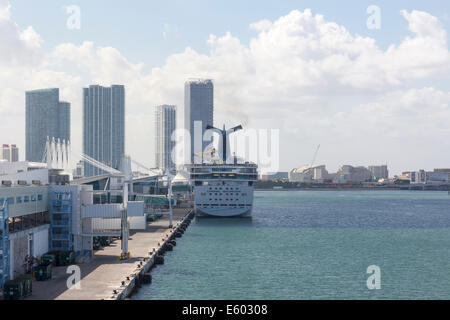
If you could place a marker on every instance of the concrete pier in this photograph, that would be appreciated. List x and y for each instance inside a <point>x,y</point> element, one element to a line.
<point>106,277</point>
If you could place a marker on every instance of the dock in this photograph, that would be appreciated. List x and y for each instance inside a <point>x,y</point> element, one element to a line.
<point>106,277</point>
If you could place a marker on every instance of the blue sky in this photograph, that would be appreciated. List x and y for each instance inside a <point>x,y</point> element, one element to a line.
<point>362,100</point>
<point>136,27</point>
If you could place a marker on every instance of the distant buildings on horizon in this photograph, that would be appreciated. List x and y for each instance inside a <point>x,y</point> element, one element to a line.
<point>104,135</point>
<point>359,175</point>
<point>9,153</point>
<point>346,174</point>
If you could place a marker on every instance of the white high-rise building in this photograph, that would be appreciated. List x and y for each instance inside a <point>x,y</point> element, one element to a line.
<point>165,125</point>
<point>198,112</point>
<point>103,126</point>
<point>9,153</point>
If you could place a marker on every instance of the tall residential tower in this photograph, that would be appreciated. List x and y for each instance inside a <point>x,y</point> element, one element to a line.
<point>103,126</point>
<point>46,117</point>
<point>9,153</point>
<point>198,107</point>
<point>165,125</point>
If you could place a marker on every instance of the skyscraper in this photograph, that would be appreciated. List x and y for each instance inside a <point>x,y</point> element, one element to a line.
<point>103,126</point>
<point>198,107</point>
<point>165,125</point>
<point>9,153</point>
<point>46,116</point>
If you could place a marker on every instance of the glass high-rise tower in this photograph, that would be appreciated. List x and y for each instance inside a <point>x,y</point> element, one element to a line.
<point>198,107</point>
<point>165,125</point>
<point>103,126</point>
<point>46,116</point>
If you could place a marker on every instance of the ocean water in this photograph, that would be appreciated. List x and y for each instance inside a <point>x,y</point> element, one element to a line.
<point>314,245</point>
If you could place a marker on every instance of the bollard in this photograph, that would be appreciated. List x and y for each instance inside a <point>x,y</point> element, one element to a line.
<point>147,278</point>
<point>159,260</point>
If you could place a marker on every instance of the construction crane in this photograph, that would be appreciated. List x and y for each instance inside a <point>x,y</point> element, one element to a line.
<point>315,156</point>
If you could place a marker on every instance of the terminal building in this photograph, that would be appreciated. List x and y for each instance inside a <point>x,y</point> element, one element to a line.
<point>43,210</point>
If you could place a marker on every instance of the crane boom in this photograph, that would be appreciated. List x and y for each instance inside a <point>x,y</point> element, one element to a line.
<point>315,155</point>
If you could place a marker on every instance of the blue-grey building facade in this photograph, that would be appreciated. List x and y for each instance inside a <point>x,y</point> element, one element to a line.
<point>198,107</point>
<point>103,126</point>
<point>165,125</point>
<point>45,116</point>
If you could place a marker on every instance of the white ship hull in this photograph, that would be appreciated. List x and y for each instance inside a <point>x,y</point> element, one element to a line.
<point>224,199</point>
<point>224,213</point>
<point>223,190</point>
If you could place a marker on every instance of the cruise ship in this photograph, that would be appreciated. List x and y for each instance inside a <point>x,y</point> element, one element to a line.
<point>223,189</point>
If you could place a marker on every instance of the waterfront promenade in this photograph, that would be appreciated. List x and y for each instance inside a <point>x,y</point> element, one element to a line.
<point>105,272</point>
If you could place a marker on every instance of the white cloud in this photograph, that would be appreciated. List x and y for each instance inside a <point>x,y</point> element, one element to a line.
<point>261,25</point>
<point>309,77</point>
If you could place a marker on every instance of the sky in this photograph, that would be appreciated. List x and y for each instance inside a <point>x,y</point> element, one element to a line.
<point>311,69</point>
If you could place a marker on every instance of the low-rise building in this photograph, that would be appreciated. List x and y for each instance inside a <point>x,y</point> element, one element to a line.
<point>309,174</point>
<point>436,177</point>
<point>379,172</point>
<point>352,175</point>
<point>275,176</point>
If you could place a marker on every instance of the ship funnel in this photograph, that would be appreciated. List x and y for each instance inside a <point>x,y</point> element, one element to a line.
<point>223,143</point>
